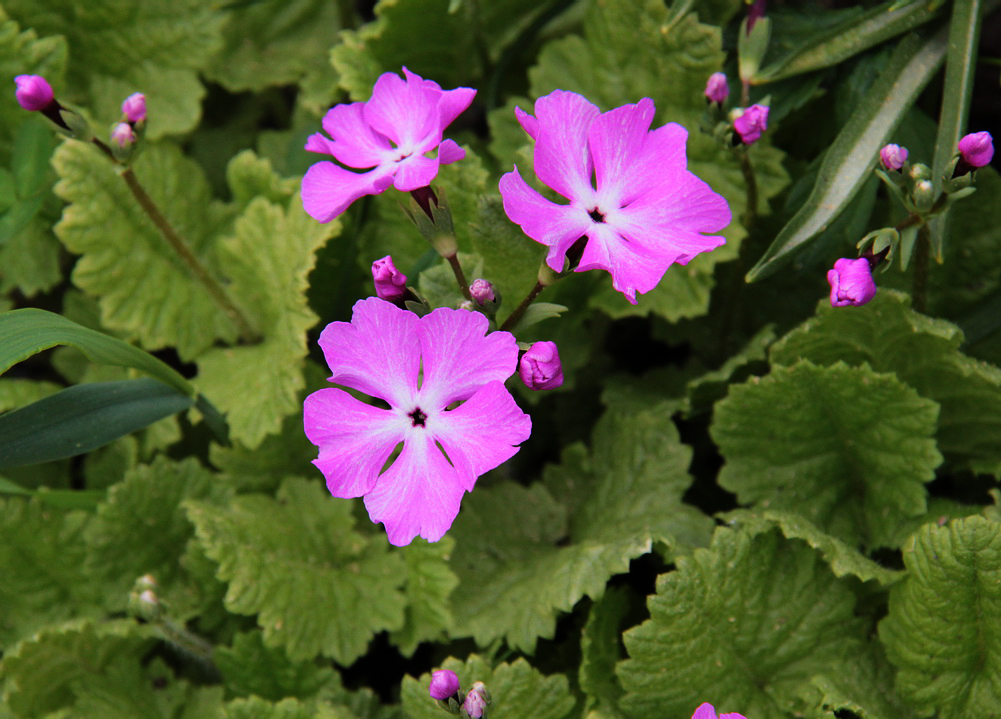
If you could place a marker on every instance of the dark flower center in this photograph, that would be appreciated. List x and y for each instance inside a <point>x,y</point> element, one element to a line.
<point>418,417</point>
<point>596,215</point>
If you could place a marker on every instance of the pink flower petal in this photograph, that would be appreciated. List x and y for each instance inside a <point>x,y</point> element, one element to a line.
<point>449,152</point>
<point>377,353</point>
<point>562,158</point>
<point>405,111</point>
<point>317,142</point>
<point>459,356</point>
<point>705,711</point>
<point>328,189</point>
<point>528,123</point>
<point>616,140</point>
<point>683,202</point>
<point>634,268</point>
<point>556,226</point>
<point>355,439</point>
<point>658,163</point>
<point>453,103</point>
<point>415,171</point>
<point>482,433</point>
<point>353,142</point>
<point>419,495</point>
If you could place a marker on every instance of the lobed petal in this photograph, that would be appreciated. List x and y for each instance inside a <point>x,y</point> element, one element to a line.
<point>682,202</point>
<point>634,268</point>
<point>418,495</point>
<point>415,171</point>
<point>377,352</point>
<point>449,152</point>
<point>556,226</point>
<point>453,103</point>
<point>616,140</point>
<point>528,123</point>
<point>355,439</point>
<point>405,111</point>
<point>459,357</point>
<point>659,162</point>
<point>328,189</point>
<point>562,159</point>
<point>353,142</point>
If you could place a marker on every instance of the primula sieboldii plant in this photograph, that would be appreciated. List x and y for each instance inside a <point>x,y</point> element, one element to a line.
<point>419,366</point>
<point>390,136</point>
<point>630,192</point>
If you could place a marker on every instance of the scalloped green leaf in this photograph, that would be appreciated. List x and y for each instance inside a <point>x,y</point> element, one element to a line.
<point>742,625</point>
<point>250,668</point>
<point>297,563</point>
<point>863,687</point>
<point>600,651</point>
<point>924,353</point>
<point>943,620</point>
<point>157,47</point>
<point>30,260</point>
<point>847,447</point>
<point>702,392</point>
<point>517,690</point>
<point>257,708</point>
<point>429,584</point>
<point>525,554</point>
<point>144,289</point>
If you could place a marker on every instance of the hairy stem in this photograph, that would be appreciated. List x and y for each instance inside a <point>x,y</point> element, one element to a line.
<point>519,311</point>
<point>919,293</point>
<point>460,276</point>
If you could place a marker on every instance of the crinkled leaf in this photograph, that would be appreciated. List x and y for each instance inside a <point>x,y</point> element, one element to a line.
<point>250,668</point>
<point>145,290</point>
<point>429,583</point>
<point>600,652</point>
<point>42,556</point>
<point>30,260</point>
<point>297,563</point>
<point>516,690</point>
<point>257,708</point>
<point>863,686</point>
<point>525,554</point>
<point>267,260</point>
<point>944,619</point>
<point>848,448</point>
<point>741,625</point>
<point>924,353</point>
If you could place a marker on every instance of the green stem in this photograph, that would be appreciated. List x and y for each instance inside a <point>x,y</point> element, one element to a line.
<point>460,276</point>
<point>519,311</point>
<point>751,185</point>
<point>919,294</point>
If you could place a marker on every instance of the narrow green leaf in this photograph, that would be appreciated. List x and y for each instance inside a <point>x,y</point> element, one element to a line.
<point>84,417</point>
<point>848,162</point>
<point>944,619</point>
<point>856,35</point>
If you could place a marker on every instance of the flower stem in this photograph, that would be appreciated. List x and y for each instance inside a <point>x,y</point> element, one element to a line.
<point>460,276</point>
<point>514,317</point>
<point>751,185</point>
<point>919,293</point>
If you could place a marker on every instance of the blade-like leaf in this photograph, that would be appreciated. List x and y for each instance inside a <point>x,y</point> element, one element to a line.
<point>84,417</point>
<point>848,162</point>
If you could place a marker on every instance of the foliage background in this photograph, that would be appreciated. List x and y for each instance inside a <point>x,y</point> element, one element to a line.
<point>739,496</point>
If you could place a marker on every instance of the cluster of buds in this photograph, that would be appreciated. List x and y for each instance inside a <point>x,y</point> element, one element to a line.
<point>740,126</point>
<point>126,133</point>
<point>445,689</point>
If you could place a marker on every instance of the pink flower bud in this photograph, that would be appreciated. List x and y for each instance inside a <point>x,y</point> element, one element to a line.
<point>540,367</point>
<point>716,88</point>
<point>122,134</point>
<point>482,291</point>
<point>851,282</point>
<point>977,149</point>
<point>390,283</point>
<point>33,92</point>
<point>751,123</point>
<point>893,157</point>
<point>444,683</point>
<point>476,701</point>
<point>134,107</point>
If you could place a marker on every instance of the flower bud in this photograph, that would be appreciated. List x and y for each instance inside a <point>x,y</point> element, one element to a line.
<point>893,157</point>
<point>923,194</point>
<point>920,171</point>
<point>390,283</point>
<point>444,684</point>
<point>123,135</point>
<point>851,283</point>
<point>134,107</point>
<point>977,149</point>
<point>482,292</point>
<point>540,367</point>
<point>476,701</point>
<point>716,88</point>
<point>751,123</point>
<point>33,92</point>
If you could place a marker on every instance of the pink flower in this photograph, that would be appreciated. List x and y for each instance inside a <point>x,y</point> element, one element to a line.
<point>134,107</point>
<point>642,211</point>
<point>751,123</point>
<point>708,711</point>
<point>390,283</point>
<point>476,701</point>
<point>122,134</point>
<point>444,683</point>
<point>482,291</point>
<point>893,157</point>
<point>33,92</point>
<point>392,133</point>
<point>716,88</point>
<point>851,282</point>
<point>977,149</point>
<point>540,367</point>
<point>419,367</point>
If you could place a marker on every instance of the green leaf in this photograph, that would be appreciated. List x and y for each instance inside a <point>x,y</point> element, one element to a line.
<point>267,260</point>
<point>280,555</point>
<point>922,352</point>
<point>863,686</point>
<point>848,162</point>
<point>706,390</point>
<point>248,667</point>
<point>157,47</point>
<point>539,311</point>
<point>943,618</point>
<point>429,584</point>
<point>439,286</point>
<point>525,554</point>
<point>81,418</point>
<point>848,448</point>
<point>740,625</point>
<point>150,295</point>
<point>29,260</point>
<point>600,651</point>
<point>516,690</point>
<point>256,708</point>
<point>42,557</point>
